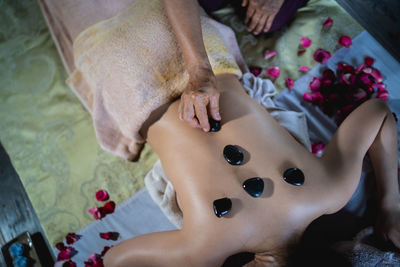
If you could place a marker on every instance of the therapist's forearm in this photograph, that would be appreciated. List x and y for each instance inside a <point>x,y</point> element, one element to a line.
<point>184,17</point>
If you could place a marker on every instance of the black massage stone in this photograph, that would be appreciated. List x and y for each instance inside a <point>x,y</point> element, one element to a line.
<point>215,126</point>
<point>233,155</point>
<point>254,186</point>
<point>294,176</point>
<point>222,206</point>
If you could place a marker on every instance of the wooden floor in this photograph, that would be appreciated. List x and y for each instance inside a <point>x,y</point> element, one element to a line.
<point>379,17</point>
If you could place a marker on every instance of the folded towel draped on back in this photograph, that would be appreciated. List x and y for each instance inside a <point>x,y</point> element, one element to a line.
<point>131,64</point>
<point>262,90</point>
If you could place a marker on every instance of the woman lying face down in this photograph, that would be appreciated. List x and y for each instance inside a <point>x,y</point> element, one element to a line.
<point>251,187</point>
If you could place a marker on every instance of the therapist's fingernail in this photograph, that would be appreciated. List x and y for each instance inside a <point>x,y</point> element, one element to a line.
<point>218,116</point>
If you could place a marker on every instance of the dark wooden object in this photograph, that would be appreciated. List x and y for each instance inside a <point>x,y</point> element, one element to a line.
<point>16,212</point>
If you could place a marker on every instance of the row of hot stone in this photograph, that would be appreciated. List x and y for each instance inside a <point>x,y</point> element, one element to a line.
<point>253,186</point>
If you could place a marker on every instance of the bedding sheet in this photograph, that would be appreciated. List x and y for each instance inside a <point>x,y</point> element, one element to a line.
<point>49,135</point>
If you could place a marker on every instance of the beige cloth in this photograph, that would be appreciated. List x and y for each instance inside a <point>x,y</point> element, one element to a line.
<point>131,64</point>
<point>262,90</point>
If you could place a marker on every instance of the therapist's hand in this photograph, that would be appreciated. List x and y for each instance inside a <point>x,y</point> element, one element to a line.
<point>260,14</point>
<point>200,100</point>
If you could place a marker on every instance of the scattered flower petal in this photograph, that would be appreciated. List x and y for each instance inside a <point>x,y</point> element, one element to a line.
<point>109,207</point>
<point>328,77</point>
<point>110,236</point>
<point>377,75</point>
<point>104,251</point>
<point>273,72</point>
<point>69,263</point>
<point>328,22</point>
<point>255,70</point>
<point>66,254</point>
<point>368,61</point>
<point>345,41</point>
<point>269,54</point>
<point>314,97</point>
<point>97,213</point>
<point>315,84</point>
<point>72,238</point>
<point>345,68</point>
<point>383,94</point>
<point>102,195</point>
<point>305,42</point>
<point>301,51</point>
<point>303,68</point>
<point>364,78</point>
<point>321,55</point>
<point>289,83</point>
<point>60,246</point>
<point>94,260</point>
<point>360,94</point>
<point>318,148</point>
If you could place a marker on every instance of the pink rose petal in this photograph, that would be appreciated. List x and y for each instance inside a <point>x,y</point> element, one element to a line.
<point>345,41</point>
<point>255,70</point>
<point>383,94</point>
<point>289,83</point>
<point>305,42</point>
<point>377,75</point>
<point>318,148</point>
<point>273,72</point>
<point>269,54</point>
<point>303,68</point>
<point>315,84</point>
<point>368,61</point>
<point>96,212</point>
<point>328,22</point>
<point>102,195</point>
<point>364,78</point>
<point>346,68</point>
<point>314,97</point>
<point>321,55</point>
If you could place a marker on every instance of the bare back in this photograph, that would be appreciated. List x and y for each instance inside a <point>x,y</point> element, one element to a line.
<point>193,160</point>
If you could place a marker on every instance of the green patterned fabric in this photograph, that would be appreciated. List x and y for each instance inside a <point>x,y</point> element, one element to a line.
<point>47,132</point>
<point>49,135</point>
<point>308,22</point>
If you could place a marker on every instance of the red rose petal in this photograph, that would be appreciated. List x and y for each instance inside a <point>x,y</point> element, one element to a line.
<point>269,54</point>
<point>360,94</point>
<point>328,77</point>
<point>255,70</point>
<point>368,61</point>
<point>69,264</point>
<point>301,51</point>
<point>321,55</point>
<point>315,84</point>
<point>305,42</point>
<point>94,260</point>
<point>60,246</point>
<point>109,235</point>
<point>102,195</point>
<point>109,207</point>
<point>314,97</point>
<point>66,254</point>
<point>303,68</point>
<point>364,78</point>
<point>72,238</point>
<point>345,41</point>
<point>345,68</point>
<point>104,251</point>
<point>328,22</point>
<point>289,83</point>
<point>318,148</point>
<point>273,72</point>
